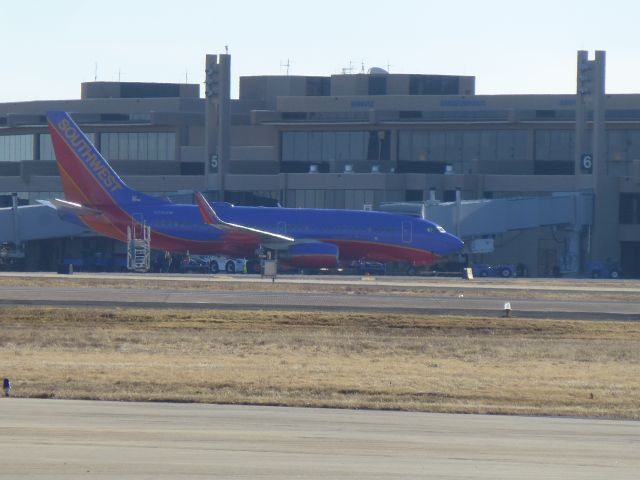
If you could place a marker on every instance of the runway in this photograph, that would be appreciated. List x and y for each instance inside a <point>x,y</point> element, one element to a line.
<point>61,439</point>
<point>281,299</point>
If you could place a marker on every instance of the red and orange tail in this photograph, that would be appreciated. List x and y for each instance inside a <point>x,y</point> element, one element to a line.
<point>87,178</point>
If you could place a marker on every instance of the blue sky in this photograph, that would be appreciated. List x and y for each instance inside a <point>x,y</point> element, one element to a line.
<point>49,48</point>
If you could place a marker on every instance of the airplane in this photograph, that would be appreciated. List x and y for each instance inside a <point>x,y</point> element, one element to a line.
<point>95,196</point>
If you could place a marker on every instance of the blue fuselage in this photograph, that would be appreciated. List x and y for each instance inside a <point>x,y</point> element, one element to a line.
<point>358,234</point>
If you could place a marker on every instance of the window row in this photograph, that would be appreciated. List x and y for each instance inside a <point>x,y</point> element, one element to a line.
<point>623,145</point>
<point>413,145</point>
<point>450,147</point>
<point>138,146</point>
<point>338,228</point>
<point>461,146</point>
<point>554,145</point>
<point>114,146</point>
<point>46,146</point>
<point>329,146</point>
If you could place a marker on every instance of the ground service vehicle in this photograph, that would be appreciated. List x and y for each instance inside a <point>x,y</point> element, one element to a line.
<point>212,264</point>
<point>503,270</point>
<point>603,269</point>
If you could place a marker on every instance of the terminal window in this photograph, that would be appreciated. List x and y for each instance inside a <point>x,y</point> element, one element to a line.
<point>629,209</point>
<point>15,148</point>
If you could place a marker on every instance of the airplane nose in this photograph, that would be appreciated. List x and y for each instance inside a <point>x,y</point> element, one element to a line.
<point>450,244</point>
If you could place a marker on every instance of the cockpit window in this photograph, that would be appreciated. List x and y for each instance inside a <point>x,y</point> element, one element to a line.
<point>440,229</point>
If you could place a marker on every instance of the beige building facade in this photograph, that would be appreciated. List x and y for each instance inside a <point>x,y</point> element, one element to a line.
<point>358,141</point>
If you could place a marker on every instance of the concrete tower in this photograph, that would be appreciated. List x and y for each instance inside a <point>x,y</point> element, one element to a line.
<point>217,93</point>
<point>591,156</point>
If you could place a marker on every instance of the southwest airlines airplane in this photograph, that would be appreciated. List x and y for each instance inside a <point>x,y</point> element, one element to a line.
<point>97,197</point>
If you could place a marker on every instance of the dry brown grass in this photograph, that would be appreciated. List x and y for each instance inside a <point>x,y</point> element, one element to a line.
<point>409,362</point>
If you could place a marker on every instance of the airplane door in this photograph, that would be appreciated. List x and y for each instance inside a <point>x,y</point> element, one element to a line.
<point>282,228</point>
<point>406,232</point>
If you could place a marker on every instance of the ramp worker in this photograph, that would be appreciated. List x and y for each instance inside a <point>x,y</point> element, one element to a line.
<point>6,385</point>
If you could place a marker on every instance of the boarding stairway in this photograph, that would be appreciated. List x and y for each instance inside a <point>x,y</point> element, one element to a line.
<point>138,247</point>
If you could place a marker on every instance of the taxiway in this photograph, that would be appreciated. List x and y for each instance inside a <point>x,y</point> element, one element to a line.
<point>61,439</point>
<point>171,295</point>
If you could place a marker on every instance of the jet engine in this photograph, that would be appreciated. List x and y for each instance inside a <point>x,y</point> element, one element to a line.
<point>313,255</point>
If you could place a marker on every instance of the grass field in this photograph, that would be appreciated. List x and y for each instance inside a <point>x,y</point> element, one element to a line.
<point>408,362</point>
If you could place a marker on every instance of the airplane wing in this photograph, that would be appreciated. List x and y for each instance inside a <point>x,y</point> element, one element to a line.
<point>71,207</point>
<point>210,217</point>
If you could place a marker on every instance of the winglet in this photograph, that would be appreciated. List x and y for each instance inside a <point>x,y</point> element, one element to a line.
<point>210,217</point>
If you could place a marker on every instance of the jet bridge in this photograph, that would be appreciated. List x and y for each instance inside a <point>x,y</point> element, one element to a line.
<point>34,222</point>
<point>21,224</point>
<point>473,220</point>
<point>477,218</point>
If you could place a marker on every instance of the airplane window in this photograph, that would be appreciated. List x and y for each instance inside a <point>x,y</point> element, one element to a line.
<point>430,229</point>
<point>440,229</point>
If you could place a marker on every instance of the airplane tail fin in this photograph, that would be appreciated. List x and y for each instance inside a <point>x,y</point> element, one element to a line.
<point>87,178</point>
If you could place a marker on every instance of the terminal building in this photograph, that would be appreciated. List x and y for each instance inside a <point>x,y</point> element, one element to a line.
<point>549,182</point>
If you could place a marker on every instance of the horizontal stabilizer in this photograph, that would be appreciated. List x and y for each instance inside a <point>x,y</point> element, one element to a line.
<point>210,217</point>
<point>72,207</point>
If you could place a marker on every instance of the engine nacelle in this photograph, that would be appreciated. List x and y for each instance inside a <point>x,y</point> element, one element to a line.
<point>313,255</point>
